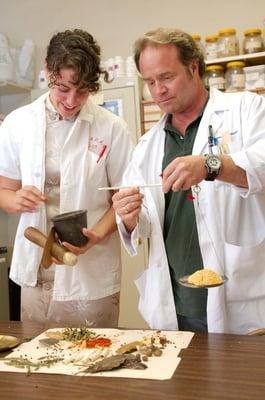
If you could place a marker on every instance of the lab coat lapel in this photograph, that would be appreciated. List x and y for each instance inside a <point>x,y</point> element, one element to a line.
<point>79,135</point>
<point>153,169</point>
<point>211,116</point>
<point>77,141</point>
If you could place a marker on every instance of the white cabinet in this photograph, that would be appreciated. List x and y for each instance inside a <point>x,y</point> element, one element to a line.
<point>12,96</point>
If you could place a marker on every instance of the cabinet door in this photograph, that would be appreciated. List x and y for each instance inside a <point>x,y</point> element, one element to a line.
<point>131,268</point>
<point>122,101</point>
<point>12,96</point>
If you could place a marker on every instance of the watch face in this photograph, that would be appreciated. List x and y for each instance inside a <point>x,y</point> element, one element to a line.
<point>214,162</point>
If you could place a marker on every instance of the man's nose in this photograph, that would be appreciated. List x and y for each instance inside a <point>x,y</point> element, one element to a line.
<point>71,99</point>
<point>160,88</point>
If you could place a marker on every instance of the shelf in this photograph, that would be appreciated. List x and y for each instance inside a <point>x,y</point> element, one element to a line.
<point>151,101</point>
<point>259,90</point>
<point>8,87</point>
<point>250,59</point>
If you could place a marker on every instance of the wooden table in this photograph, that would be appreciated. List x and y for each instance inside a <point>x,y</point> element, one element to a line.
<point>214,366</point>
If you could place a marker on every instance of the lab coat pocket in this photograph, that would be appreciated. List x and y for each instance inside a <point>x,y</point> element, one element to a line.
<point>234,146</point>
<point>242,220</point>
<point>156,302</point>
<point>95,167</point>
<point>245,271</point>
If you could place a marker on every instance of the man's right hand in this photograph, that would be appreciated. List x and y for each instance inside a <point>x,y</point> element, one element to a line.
<point>28,199</point>
<point>17,199</point>
<point>127,204</point>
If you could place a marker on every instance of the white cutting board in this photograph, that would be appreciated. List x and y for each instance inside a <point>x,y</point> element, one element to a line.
<point>161,367</point>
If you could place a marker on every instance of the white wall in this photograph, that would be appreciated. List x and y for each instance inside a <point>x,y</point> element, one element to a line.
<point>117,23</point>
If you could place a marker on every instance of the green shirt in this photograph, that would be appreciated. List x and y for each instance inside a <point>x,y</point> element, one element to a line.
<point>180,230</point>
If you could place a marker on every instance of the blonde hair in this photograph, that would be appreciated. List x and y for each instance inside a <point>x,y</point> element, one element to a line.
<point>188,50</point>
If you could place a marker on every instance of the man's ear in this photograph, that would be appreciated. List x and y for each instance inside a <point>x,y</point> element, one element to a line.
<point>193,67</point>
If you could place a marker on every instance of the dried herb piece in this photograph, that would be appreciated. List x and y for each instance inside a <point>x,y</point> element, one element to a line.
<point>128,347</point>
<point>116,361</point>
<point>107,364</point>
<point>23,362</point>
<point>133,362</point>
<point>47,342</point>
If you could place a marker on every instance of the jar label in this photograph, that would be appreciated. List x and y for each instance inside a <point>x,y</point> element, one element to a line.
<point>217,82</point>
<point>238,81</point>
<point>254,44</point>
<point>211,51</point>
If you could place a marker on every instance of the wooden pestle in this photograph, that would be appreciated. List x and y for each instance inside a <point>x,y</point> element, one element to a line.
<point>57,251</point>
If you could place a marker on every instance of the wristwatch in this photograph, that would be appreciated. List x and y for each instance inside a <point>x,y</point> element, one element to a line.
<point>213,165</point>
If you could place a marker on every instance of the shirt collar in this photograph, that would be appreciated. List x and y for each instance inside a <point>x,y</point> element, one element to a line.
<point>168,124</point>
<point>52,113</point>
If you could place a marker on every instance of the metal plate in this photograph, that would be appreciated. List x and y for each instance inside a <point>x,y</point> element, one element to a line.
<point>184,282</point>
<point>8,342</point>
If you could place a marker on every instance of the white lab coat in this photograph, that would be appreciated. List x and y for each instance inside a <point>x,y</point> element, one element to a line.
<point>22,156</point>
<point>230,220</point>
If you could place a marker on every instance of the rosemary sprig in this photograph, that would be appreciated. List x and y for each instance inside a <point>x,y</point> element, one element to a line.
<point>23,362</point>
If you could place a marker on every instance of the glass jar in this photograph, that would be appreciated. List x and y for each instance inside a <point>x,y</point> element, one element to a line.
<point>253,42</point>
<point>228,43</point>
<point>235,76</point>
<point>211,47</point>
<point>197,39</point>
<point>214,77</point>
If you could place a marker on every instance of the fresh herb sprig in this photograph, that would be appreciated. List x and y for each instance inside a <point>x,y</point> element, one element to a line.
<point>77,334</point>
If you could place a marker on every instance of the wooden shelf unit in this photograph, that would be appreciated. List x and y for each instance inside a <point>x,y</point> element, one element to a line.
<point>150,114</point>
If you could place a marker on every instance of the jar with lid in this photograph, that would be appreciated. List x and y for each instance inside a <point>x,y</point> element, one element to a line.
<point>197,40</point>
<point>235,76</point>
<point>228,43</point>
<point>253,41</point>
<point>211,47</point>
<point>214,77</point>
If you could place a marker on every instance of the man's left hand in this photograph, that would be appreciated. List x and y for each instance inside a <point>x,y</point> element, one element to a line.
<point>183,172</point>
<point>93,239</point>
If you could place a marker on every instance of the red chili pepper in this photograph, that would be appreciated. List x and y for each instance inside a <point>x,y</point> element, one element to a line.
<point>98,342</point>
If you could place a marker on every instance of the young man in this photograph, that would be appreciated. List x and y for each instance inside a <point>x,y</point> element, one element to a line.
<point>54,154</point>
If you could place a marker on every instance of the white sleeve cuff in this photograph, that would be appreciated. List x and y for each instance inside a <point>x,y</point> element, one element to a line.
<point>254,184</point>
<point>129,240</point>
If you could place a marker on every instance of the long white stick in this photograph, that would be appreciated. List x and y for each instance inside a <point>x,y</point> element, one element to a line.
<point>127,187</point>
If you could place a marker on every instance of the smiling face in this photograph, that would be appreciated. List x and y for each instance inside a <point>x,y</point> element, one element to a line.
<point>173,86</point>
<point>67,98</point>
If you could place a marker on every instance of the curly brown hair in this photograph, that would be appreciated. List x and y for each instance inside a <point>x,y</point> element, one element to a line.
<point>76,49</point>
<point>188,50</point>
